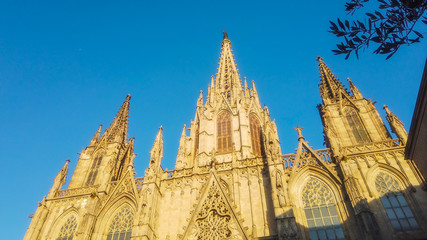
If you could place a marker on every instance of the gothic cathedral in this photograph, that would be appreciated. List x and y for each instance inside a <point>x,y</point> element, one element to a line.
<point>231,180</point>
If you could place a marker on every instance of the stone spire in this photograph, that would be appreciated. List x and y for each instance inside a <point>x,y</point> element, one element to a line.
<point>59,180</point>
<point>96,136</point>
<point>330,86</point>
<point>200,100</point>
<point>157,149</point>
<point>180,159</point>
<point>117,132</point>
<point>397,126</point>
<point>354,89</point>
<point>227,78</point>
<point>154,168</point>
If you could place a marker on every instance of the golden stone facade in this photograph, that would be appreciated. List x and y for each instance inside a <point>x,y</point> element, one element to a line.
<point>231,180</point>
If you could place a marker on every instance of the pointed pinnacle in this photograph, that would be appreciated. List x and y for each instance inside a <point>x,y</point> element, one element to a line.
<point>184,131</point>
<point>225,34</point>
<point>253,87</point>
<point>95,137</point>
<point>385,107</point>
<point>298,129</point>
<point>118,128</point>
<point>160,133</point>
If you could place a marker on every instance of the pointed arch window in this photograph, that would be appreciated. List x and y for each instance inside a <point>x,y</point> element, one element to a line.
<point>94,170</point>
<point>256,135</point>
<point>356,126</point>
<point>395,204</point>
<point>121,226</point>
<point>321,211</point>
<point>68,229</point>
<point>224,143</point>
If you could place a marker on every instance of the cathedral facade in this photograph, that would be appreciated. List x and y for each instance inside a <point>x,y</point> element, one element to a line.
<point>231,180</point>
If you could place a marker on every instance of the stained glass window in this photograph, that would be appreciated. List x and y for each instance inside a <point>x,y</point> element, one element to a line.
<point>68,229</point>
<point>356,126</point>
<point>224,132</point>
<point>321,211</point>
<point>395,203</point>
<point>121,227</point>
<point>94,170</point>
<point>255,135</point>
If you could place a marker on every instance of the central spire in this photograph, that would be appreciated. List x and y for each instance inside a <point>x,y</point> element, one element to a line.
<point>330,86</point>
<point>117,132</point>
<point>227,79</point>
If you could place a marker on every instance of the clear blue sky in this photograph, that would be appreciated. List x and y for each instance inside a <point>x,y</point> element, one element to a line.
<point>66,67</point>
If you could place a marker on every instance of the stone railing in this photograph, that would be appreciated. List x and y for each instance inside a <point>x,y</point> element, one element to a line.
<point>75,191</point>
<point>139,182</point>
<point>307,158</point>
<point>169,173</point>
<point>370,147</point>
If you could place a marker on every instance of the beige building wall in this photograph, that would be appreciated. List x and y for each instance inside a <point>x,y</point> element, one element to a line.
<point>226,187</point>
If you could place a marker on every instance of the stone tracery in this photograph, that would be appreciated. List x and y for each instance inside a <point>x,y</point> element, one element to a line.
<point>68,229</point>
<point>213,220</point>
<point>121,226</point>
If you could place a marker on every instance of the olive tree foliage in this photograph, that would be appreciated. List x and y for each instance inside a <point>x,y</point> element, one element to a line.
<point>390,26</point>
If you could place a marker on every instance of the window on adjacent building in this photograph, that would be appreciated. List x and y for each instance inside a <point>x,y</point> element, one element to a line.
<point>224,143</point>
<point>255,135</point>
<point>68,229</point>
<point>321,211</point>
<point>121,227</point>
<point>395,204</point>
<point>94,170</point>
<point>356,126</point>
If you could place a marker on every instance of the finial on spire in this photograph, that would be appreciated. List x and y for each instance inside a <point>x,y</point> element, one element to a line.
<point>319,58</point>
<point>385,107</point>
<point>225,34</point>
<point>300,136</point>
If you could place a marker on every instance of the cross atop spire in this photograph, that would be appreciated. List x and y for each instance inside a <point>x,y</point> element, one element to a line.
<point>329,83</point>
<point>300,136</point>
<point>117,132</point>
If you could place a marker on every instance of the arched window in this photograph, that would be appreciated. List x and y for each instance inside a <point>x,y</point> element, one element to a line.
<point>321,211</point>
<point>68,229</point>
<point>255,135</point>
<point>224,132</point>
<point>94,170</point>
<point>395,203</point>
<point>356,126</point>
<point>121,227</point>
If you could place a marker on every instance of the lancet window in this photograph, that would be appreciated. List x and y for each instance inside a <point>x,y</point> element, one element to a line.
<point>356,126</point>
<point>395,204</point>
<point>224,143</point>
<point>94,170</point>
<point>321,211</point>
<point>256,135</point>
<point>68,229</point>
<point>121,226</point>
